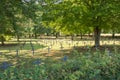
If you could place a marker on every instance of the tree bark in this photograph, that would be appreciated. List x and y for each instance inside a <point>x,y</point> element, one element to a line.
<point>113,34</point>
<point>29,35</point>
<point>97,33</point>
<point>81,35</point>
<point>35,32</point>
<point>57,35</point>
<point>72,37</point>
<point>2,40</point>
<point>89,35</point>
<point>35,35</point>
<point>18,37</point>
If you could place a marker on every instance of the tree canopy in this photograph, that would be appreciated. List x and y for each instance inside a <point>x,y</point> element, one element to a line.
<point>67,16</point>
<point>78,15</point>
<point>15,14</point>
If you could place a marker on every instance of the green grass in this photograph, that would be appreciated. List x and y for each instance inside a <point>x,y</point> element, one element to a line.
<point>82,64</point>
<point>15,46</point>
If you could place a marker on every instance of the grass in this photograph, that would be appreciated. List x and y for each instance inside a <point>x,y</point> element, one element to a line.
<point>41,49</point>
<point>20,45</point>
<point>81,62</point>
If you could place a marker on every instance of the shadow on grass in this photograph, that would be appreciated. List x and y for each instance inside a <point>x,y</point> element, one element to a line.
<point>20,46</point>
<point>18,61</point>
<point>27,61</point>
<point>9,45</point>
<point>91,49</point>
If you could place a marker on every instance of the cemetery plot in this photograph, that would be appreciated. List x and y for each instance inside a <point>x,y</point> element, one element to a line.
<point>54,53</point>
<point>59,40</point>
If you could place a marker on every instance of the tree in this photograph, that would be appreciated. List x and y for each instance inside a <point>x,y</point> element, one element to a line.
<point>5,30</point>
<point>5,23</point>
<point>14,14</point>
<point>32,10</point>
<point>87,13</point>
<point>10,16</point>
<point>102,10</point>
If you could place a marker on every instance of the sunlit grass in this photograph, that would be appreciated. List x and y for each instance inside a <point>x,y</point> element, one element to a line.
<point>26,57</point>
<point>15,45</point>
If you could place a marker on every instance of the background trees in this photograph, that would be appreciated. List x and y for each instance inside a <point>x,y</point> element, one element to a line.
<point>8,11</point>
<point>15,14</point>
<point>68,16</point>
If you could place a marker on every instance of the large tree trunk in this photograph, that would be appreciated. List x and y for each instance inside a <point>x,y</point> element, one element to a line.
<point>97,33</point>
<point>2,40</point>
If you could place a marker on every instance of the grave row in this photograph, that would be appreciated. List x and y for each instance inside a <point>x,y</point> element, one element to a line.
<point>60,44</point>
<point>5,65</point>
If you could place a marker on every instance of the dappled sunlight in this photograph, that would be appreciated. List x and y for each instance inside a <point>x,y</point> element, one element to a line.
<point>53,48</point>
<point>54,53</point>
<point>59,40</point>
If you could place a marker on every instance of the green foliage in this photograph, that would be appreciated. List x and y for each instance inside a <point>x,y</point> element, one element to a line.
<point>83,16</point>
<point>92,66</point>
<point>4,38</point>
<point>15,16</point>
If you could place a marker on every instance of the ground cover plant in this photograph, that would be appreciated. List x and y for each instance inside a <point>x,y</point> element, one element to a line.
<point>80,63</point>
<point>96,66</point>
